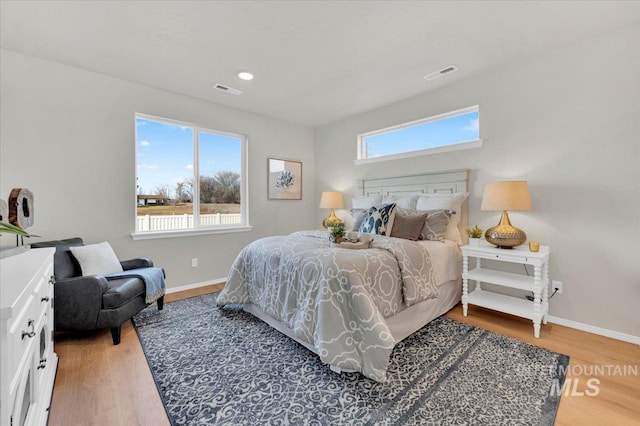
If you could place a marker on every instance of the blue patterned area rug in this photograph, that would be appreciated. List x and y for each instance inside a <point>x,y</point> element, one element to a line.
<point>224,366</point>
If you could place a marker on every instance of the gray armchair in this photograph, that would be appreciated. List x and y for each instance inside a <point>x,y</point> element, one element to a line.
<point>92,302</point>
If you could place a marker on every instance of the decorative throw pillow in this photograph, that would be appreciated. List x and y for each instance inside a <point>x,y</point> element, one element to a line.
<point>435,226</point>
<point>378,220</point>
<point>96,259</point>
<point>448,202</point>
<point>408,227</point>
<point>358,216</point>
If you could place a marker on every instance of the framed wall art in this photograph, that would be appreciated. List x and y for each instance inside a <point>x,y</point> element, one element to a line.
<point>284,179</point>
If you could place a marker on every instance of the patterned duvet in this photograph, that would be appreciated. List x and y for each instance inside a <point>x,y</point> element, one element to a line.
<point>334,299</point>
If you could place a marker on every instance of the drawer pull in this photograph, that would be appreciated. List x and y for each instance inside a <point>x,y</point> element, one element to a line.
<point>45,299</point>
<point>31,333</point>
<point>43,363</point>
<point>52,280</point>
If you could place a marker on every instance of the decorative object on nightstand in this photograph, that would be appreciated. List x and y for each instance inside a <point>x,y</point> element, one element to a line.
<point>508,195</point>
<point>331,200</point>
<point>474,235</point>
<point>536,311</point>
<point>534,246</point>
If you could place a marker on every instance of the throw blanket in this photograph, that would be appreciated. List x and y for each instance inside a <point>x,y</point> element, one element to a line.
<point>153,279</point>
<point>335,299</point>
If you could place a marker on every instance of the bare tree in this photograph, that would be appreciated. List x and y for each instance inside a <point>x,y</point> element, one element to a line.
<point>227,187</point>
<point>184,191</point>
<point>224,187</point>
<point>164,190</point>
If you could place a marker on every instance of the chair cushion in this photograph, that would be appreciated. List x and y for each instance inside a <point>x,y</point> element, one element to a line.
<point>122,291</point>
<point>97,259</point>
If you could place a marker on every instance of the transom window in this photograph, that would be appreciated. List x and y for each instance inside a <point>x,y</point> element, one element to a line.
<point>445,132</point>
<point>188,178</point>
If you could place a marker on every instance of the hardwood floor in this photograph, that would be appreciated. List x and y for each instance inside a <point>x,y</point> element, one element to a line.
<point>101,384</point>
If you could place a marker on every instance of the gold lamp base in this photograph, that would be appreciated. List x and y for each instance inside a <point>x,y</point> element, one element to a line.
<point>504,235</point>
<point>332,220</point>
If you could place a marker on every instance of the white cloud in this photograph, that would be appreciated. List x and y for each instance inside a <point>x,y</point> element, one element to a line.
<point>148,166</point>
<point>474,125</point>
<point>189,166</point>
<point>145,143</point>
<point>175,126</point>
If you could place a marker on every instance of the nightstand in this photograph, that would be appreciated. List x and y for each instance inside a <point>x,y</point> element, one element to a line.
<point>537,310</point>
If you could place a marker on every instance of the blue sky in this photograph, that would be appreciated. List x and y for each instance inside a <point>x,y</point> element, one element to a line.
<point>462,128</point>
<point>165,154</point>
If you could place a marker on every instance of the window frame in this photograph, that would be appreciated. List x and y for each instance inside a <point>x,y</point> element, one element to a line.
<point>197,229</point>
<point>426,151</point>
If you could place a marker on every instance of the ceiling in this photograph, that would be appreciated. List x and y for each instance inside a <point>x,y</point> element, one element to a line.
<point>314,62</point>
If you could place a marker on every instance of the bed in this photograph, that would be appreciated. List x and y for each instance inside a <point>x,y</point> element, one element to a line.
<point>351,307</point>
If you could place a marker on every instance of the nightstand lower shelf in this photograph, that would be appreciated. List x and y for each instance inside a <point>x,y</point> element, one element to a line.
<point>506,304</point>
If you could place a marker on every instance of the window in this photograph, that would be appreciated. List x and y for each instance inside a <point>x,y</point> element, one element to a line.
<point>444,132</point>
<point>188,179</point>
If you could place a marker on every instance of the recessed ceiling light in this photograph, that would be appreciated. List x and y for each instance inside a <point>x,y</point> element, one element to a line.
<point>245,75</point>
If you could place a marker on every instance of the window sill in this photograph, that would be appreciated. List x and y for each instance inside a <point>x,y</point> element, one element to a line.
<point>189,232</point>
<point>428,151</point>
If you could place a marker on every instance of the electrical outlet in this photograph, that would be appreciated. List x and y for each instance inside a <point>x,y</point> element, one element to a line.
<point>557,285</point>
<point>194,262</point>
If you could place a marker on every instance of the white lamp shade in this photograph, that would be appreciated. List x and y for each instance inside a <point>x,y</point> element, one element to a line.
<point>331,200</point>
<point>508,195</point>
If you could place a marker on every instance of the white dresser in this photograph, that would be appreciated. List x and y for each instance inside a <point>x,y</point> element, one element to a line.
<point>27,359</point>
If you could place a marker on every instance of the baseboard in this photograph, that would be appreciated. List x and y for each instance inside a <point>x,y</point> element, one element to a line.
<point>195,285</point>
<point>556,320</point>
<point>595,330</point>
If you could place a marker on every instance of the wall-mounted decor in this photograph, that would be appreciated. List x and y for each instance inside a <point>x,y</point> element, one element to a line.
<point>284,179</point>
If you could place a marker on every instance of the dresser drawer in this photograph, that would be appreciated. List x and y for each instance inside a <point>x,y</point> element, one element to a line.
<point>21,334</point>
<point>43,294</point>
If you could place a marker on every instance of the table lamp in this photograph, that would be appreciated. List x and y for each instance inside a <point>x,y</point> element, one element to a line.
<point>508,195</point>
<point>331,200</point>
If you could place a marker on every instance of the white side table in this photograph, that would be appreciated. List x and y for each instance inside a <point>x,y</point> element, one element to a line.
<point>537,310</point>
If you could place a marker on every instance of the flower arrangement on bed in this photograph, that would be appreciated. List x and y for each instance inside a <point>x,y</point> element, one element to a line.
<point>352,306</point>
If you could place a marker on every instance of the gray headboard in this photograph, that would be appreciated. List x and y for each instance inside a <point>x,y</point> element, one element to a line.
<point>447,182</point>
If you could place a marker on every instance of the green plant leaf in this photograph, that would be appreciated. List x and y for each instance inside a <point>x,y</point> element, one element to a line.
<point>474,232</point>
<point>7,228</point>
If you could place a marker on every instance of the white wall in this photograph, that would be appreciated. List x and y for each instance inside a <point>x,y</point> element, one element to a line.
<point>68,135</point>
<point>568,122</point>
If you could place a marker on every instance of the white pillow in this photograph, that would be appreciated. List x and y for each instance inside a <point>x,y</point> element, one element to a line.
<point>96,259</point>
<point>408,203</point>
<point>365,202</point>
<point>445,201</point>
